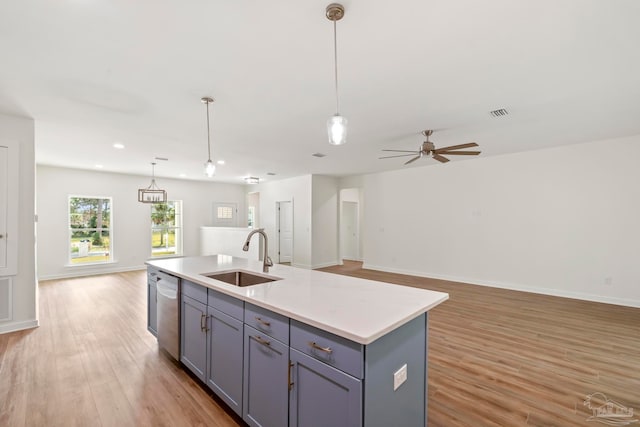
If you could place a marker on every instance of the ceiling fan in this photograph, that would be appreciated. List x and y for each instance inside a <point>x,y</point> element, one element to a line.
<point>427,148</point>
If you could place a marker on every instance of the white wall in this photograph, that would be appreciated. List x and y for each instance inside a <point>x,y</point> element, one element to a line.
<point>131,224</point>
<point>562,221</point>
<point>24,288</point>
<point>324,214</point>
<point>298,190</point>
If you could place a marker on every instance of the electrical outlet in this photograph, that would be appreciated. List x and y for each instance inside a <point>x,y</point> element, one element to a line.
<point>608,281</point>
<point>399,377</point>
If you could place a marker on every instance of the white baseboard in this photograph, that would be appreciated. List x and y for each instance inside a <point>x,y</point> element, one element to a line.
<point>325,264</point>
<point>91,272</point>
<point>18,326</point>
<point>305,266</point>
<point>513,287</point>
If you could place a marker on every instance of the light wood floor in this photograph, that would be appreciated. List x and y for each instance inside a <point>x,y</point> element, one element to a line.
<point>497,358</point>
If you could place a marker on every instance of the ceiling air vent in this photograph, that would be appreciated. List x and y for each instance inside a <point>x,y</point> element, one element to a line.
<point>271,173</point>
<point>499,113</point>
<point>319,155</point>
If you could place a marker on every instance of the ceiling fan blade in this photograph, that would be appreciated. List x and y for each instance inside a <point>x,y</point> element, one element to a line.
<point>466,153</point>
<point>439,158</point>
<point>399,155</point>
<point>457,147</point>
<point>403,151</point>
<point>412,160</point>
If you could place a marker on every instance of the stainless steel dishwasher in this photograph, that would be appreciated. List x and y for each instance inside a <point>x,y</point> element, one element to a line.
<point>168,293</point>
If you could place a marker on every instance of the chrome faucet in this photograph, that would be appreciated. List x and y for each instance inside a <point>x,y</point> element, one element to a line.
<point>267,261</point>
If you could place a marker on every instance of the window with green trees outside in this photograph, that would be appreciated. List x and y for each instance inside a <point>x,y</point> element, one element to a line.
<point>166,228</point>
<point>90,239</point>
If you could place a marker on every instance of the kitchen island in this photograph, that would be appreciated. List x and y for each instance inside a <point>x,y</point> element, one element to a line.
<point>306,348</point>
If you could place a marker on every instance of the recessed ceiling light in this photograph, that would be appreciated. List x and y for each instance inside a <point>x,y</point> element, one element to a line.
<point>183,175</point>
<point>271,173</point>
<point>118,145</point>
<point>319,155</point>
<point>220,162</point>
<point>99,166</point>
<point>252,180</point>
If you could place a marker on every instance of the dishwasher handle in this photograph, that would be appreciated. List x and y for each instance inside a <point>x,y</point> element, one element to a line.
<point>167,289</point>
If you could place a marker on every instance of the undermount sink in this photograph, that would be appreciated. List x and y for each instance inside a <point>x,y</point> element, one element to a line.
<point>241,278</point>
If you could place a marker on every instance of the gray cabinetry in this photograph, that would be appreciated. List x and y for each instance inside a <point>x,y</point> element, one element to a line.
<point>224,358</point>
<point>322,395</point>
<point>266,380</point>
<point>193,339</point>
<point>212,341</point>
<point>152,302</point>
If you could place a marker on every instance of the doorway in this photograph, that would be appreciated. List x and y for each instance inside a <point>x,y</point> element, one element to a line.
<point>284,217</point>
<point>349,231</point>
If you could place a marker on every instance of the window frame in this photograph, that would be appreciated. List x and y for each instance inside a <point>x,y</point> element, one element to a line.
<point>70,230</point>
<point>177,228</point>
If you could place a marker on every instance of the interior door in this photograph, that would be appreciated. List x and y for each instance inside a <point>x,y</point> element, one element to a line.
<point>285,231</point>
<point>4,204</point>
<point>349,231</point>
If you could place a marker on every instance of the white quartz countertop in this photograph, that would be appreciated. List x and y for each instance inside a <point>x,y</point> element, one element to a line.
<point>357,309</point>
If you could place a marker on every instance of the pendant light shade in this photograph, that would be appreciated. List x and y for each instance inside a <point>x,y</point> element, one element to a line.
<point>336,125</point>
<point>209,166</point>
<point>337,128</point>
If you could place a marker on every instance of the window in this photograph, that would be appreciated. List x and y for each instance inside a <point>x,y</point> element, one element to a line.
<point>166,228</point>
<point>90,239</point>
<point>225,212</point>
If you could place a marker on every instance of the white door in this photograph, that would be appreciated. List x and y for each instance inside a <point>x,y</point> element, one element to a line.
<point>4,204</point>
<point>285,231</point>
<point>349,231</point>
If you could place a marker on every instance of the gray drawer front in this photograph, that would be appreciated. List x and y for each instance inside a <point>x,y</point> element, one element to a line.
<point>197,292</point>
<point>341,353</point>
<point>226,304</point>
<point>267,322</point>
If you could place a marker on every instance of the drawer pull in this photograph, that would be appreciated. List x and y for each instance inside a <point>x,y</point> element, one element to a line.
<point>264,322</point>
<point>317,347</point>
<point>262,341</point>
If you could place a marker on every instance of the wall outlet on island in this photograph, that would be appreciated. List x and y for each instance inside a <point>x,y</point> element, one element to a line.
<point>399,377</point>
<point>608,281</point>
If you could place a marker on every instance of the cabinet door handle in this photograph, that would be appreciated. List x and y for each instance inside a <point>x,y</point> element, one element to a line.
<point>1,236</point>
<point>203,323</point>
<point>264,322</point>
<point>317,347</point>
<point>289,376</point>
<point>262,341</point>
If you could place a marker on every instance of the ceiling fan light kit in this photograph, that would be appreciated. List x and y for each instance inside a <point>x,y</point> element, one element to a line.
<point>336,125</point>
<point>428,149</point>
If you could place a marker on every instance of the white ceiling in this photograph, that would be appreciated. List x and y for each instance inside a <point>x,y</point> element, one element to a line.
<point>95,72</point>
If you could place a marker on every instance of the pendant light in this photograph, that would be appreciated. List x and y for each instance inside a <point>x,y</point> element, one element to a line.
<point>152,194</point>
<point>209,166</point>
<point>336,125</point>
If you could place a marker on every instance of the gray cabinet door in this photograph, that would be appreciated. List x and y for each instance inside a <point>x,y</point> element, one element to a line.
<point>323,396</point>
<point>152,309</point>
<point>266,378</point>
<point>225,348</point>
<point>193,336</point>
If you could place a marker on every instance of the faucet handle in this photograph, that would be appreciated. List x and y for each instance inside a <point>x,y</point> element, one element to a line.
<point>269,262</point>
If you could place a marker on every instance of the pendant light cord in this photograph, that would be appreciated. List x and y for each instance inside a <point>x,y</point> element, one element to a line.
<point>208,132</point>
<point>335,62</point>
